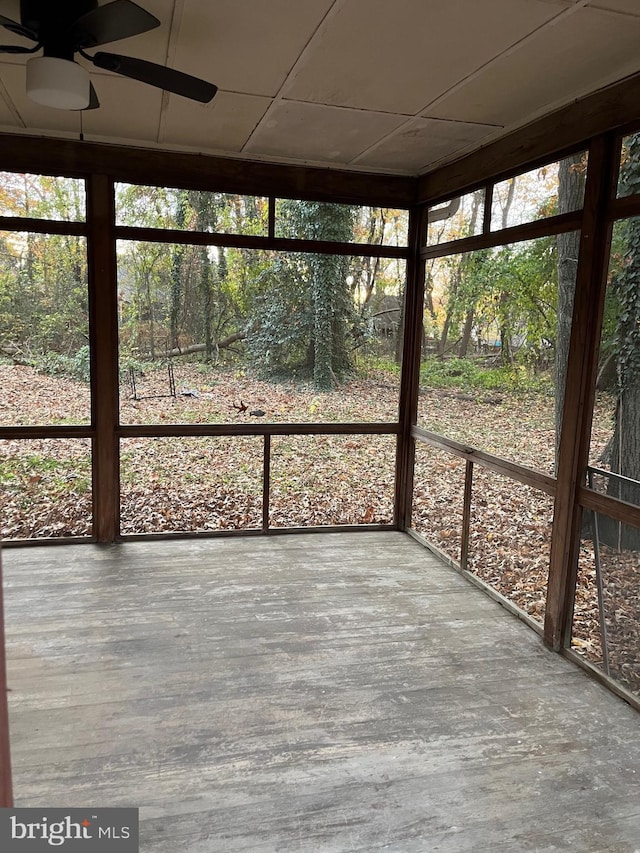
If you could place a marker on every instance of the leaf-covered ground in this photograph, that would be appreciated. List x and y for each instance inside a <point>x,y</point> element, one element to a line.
<point>206,484</point>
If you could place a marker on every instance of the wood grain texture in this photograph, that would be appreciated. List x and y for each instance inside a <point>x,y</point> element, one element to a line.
<point>202,172</point>
<point>342,692</point>
<point>582,364</point>
<point>103,326</point>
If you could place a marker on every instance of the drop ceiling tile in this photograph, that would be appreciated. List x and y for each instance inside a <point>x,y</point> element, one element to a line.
<point>322,134</point>
<point>151,45</point>
<point>397,57</point>
<point>423,142</point>
<point>630,7</point>
<point>129,110</point>
<point>223,125</point>
<point>34,116</point>
<point>579,54</point>
<point>8,117</point>
<point>246,45</point>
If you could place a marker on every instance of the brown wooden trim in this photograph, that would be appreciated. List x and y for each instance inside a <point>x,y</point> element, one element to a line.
<point>255,531</point>
<point>48,540</point>
<point>223,533</point>
<point>266,482</point>
<point>466,515</point>
<point>271,221</point>
<point>573,451</point>
<point>31,432</point>
<point>43,226</point>
<point>612,507</point>
<point>478,582</point>
<point>333,528</point>
<point>101,261</point>
<point>6,788</point>
<point>202,172</point>
<point>410,375</point>
<point>600,676</point>
<point>622,208</point>
<point>166,431</point>
<point>488,204</point>
<point>527,476</point>
<point>516,234</point>
<point>245,241</point>
<point>554,136</point>
<point>433,549</point>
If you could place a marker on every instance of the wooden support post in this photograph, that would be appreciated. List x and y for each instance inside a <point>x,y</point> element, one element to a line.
<point>582,362</point>
<point>466,515</point>
<point>101,252</point>
<point>6,788</point>
<point>266,482</point>
<point>410,377</point>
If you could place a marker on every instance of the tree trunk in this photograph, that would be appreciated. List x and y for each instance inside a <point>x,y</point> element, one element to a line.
<point>570,193</point>
<point>625,445</point>
<point>624,455</point>
<point>466,333</point>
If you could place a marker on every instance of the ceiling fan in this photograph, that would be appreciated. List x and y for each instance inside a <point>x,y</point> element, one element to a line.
<point>63,29</point>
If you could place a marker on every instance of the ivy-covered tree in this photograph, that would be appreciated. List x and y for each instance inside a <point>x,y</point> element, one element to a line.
<point>305,319</point>
<point>623,453</point>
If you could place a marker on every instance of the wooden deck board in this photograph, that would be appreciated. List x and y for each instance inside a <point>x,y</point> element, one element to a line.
<point>335,692</point>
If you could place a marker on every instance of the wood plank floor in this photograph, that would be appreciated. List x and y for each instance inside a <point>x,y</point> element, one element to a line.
<point>330,692</point>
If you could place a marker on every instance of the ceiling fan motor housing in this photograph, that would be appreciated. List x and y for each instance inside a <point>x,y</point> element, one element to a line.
<point>36,14</point>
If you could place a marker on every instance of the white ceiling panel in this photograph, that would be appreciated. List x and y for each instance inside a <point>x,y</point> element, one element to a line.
<point>349,83</point>
<point>151,46</point>
<point>128,110</point>
<point>318,133</point>
<point>629,7</point>
<point>423,142</point>
<point>223,125</point>
<point>245,45</point>
<point>14,78</point>
<point>396,57</point>
<point>578,54</point>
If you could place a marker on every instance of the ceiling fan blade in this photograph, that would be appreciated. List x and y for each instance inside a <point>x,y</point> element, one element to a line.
<point>156,75</point>
<point>94,103</point>
<point>14,48</point>
<point>117,20</point>
<point>18,29</point>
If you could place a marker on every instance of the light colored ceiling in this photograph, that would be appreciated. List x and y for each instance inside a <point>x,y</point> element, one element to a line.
<point>396,87</point>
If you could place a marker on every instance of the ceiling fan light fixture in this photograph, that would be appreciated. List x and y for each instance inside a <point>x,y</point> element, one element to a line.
<point>58,83</point>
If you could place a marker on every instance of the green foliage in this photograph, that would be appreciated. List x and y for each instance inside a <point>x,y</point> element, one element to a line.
<point>370,364</point>
<point>468,375</point>
<point>304,319</point>
<point>55,364</point>
<point>625,280</point>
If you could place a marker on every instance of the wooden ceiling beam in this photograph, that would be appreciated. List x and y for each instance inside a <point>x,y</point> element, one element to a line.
<point>71,157</point>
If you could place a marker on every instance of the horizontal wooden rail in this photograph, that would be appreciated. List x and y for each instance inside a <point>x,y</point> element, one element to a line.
<point>31,432</point>
<point>520,473</point>
<point>185,430</point>
<point>516,234</point>
<point>43,226</point>
<point>139,165</point>
<point>266,243</point>
<point>621,208</point>
<point>612,507</point>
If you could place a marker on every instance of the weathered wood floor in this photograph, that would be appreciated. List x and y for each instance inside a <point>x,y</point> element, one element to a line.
<point>339,692</point>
